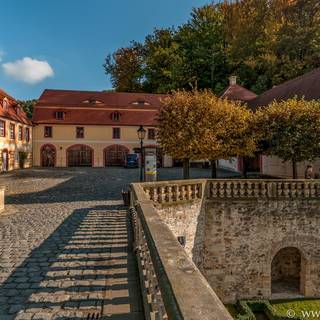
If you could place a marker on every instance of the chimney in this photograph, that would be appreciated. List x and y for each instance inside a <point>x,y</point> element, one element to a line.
<point>232,80</point>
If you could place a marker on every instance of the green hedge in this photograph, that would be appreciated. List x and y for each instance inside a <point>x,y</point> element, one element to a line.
<point>248,307</point>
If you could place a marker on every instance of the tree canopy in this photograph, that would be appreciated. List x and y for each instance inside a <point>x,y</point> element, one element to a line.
<point>199,125</point>
<point>264,42</point>
<point>290,130</point>
<point>28,106</point>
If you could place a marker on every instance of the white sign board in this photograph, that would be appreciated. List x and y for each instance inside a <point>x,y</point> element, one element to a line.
<point>150,167</point>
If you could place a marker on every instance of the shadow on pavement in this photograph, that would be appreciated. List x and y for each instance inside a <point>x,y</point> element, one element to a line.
<point>86,265</point>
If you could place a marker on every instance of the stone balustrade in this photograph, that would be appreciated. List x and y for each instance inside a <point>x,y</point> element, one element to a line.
<point>177,191</point>
<point>172,286</point>
<point>263,189</point>
<point>174,191</point>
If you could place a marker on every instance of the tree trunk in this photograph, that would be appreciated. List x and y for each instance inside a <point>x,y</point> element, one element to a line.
<point>213,169</point>
<point>186,169</point>
<point>244,167</point>
<point>294,170</point>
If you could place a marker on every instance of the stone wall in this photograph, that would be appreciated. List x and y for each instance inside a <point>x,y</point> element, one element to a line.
<point>235,228</point>
<point>243,236</point>
<point>187,220</point>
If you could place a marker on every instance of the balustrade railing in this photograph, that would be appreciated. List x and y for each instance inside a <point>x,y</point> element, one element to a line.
<point>152,298</point>
<point>263,189</point>
<point>176,191</point>
<point>172,286</point>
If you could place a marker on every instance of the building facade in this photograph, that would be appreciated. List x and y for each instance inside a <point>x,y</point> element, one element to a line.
<point>95,129</point>
<point>15,135</point>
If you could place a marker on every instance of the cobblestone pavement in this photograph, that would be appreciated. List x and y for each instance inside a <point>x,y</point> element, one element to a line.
<point>65,249</point>
<point>65,244</point>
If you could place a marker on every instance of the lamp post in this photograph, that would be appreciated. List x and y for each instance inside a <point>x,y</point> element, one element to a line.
<point>141,135</point>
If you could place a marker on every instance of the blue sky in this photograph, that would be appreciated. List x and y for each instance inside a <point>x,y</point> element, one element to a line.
<point>61,44</point>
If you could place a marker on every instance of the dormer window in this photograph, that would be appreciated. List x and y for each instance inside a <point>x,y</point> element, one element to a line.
<point>115,116</point>
<point>5,103</point>
<point>60,115</point>
<point>141,103</point>
<point>92,101</point>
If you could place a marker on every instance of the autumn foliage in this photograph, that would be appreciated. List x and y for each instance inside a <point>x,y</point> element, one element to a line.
<point>199,125</point>
<point>290,130</point>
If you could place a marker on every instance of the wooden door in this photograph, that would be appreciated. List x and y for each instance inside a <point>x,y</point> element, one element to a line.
<point>48,156</point>
<point>80,156</point>
<point>115,155</point>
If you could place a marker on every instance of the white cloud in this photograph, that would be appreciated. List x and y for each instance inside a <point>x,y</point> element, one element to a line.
<point>28,70</point>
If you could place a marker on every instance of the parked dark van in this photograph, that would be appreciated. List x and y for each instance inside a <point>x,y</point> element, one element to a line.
<point>131,161</point>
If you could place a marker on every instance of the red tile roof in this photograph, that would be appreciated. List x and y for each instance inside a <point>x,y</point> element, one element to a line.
<point>307,86</point>
<point>95,108</point>
<point>13,111</point>
<point>238,93</point>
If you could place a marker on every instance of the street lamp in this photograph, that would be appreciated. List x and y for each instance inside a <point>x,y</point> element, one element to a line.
<point>141,135</point>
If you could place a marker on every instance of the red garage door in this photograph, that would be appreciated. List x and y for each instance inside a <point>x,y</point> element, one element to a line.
<point>115,155</point>
<point>80,156</point>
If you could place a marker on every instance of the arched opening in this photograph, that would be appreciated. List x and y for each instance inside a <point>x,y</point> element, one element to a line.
<point>5,160</point>
<point>48,155</point>
<point>80,155</point>
<point>115,155</point>
<point>286,272</point>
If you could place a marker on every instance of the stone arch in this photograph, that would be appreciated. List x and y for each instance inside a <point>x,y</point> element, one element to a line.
<point>80,155</point>
<point>288,272</point>
<point>48,155</point>
<point>114,155</point>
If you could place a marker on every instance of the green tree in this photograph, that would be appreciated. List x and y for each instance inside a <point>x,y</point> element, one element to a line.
<point>28,106</point>
<point>202,47</point>
<point>297,46</point>
<point>263,42</point>
<point>125,67</point>
<point>162,61</point>
<point>290,130</point>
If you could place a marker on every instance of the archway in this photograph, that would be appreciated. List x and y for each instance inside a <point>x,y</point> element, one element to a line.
<point>80,155</point>
<point>5,160</point>
<point>115,155</point>
<point>286,272</point>
<point>48,155</point>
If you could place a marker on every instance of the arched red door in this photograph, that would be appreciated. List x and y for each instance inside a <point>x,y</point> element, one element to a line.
<point>48,155</point>
<point>80,155</point>
<point>115,155</point>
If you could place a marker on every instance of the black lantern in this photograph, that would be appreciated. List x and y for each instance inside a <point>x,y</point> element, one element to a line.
<point>141,135</point>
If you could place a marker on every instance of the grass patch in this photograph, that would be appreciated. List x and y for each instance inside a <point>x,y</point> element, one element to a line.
<point>299,306</point>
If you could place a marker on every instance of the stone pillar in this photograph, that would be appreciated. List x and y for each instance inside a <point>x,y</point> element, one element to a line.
<point>1,198</point>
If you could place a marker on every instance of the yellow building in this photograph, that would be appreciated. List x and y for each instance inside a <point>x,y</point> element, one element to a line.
<point>15,135</point>
<point>87,128</point>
